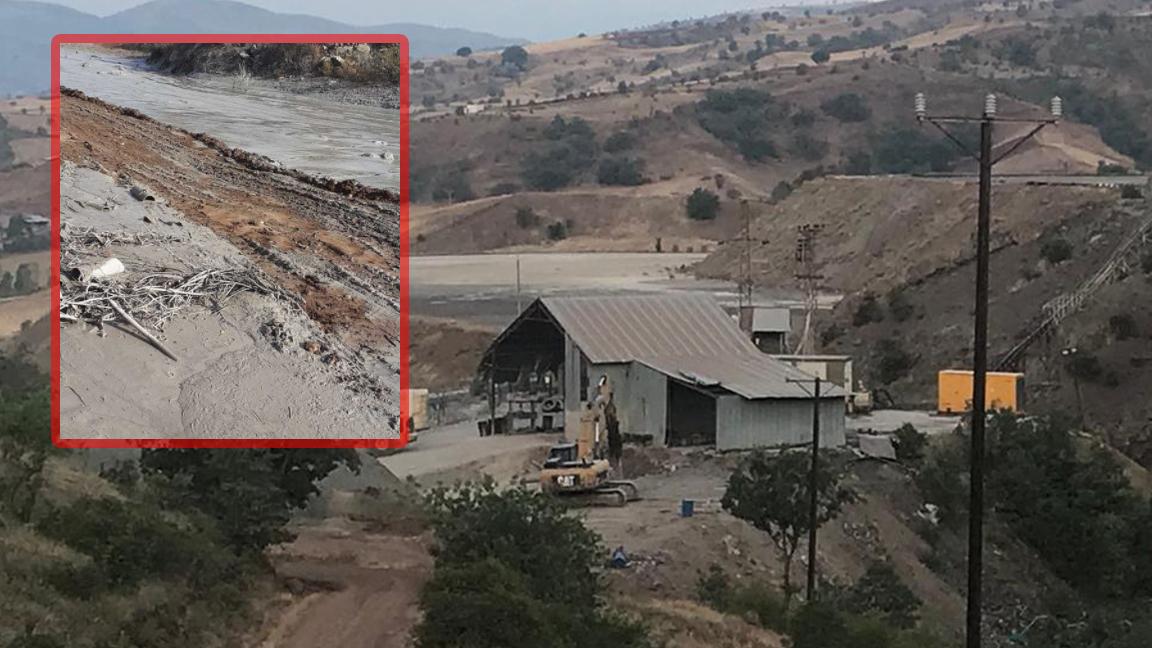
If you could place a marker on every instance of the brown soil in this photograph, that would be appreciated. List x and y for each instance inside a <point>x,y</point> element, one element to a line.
<point>348,587</point>
<point>445,353</point>
<point>346,232</point>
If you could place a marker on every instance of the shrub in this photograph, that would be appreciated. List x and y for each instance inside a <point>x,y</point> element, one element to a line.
<point>820,56</point>
<point>893,362</point>
<point>782,190</point>
<point>557,231</point>
<point>908,150</point>
<point>515,569</point>
<point>1146,263</point>
<point>702,204</point>
<point>621,171</point>
<point>880,591</point>
<point>910,444</point>
<point>742,118</point>
<point>1056,250</point>
<point>619,141</point>
<point>808,147</point>
<point>503,189</point>
<point>1110,168</point>
<point>803,118</point>
<point>1131,192</point>
<point>526,218</point>
<point>1123,326</point>
<point>129,542</point>
<point>1071,503</point>
<point>756,600</point>
<point>858,163</point>
<point>1086,367</point>
<point>868,311</point>
<point>900,306</point>
<point>464,51</point>
<point>847,107</point>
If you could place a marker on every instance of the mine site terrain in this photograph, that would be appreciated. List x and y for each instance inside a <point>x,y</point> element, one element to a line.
<point>309,345</point>
<point>555,243</point>
<point>682,160</point>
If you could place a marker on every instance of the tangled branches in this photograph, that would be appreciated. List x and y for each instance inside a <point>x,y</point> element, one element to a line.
<point>154,298</point>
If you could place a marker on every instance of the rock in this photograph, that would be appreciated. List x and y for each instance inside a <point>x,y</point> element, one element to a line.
<point>311,346</point>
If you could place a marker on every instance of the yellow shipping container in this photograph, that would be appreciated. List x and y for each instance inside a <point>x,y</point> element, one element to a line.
<point>1004,391</point>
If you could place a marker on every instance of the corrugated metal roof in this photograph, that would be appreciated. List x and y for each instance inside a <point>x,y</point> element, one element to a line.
<point>685,336</point>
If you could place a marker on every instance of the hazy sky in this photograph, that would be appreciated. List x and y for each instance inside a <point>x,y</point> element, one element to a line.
<point>532,19</point>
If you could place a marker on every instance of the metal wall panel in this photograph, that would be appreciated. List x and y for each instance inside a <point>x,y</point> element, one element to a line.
<point>743,424</point>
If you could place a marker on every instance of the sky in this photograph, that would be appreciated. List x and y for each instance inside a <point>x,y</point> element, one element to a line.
<point>536,20</point>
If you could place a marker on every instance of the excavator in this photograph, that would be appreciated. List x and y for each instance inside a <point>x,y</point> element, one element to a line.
<point>581,470</point>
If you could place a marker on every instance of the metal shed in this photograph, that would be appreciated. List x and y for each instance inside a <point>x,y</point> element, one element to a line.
<point>682,370</point>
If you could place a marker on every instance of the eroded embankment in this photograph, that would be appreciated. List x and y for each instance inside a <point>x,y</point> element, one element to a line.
<point>333,243</point>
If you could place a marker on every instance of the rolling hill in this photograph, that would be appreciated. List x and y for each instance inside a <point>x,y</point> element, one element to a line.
<point>26,28</point>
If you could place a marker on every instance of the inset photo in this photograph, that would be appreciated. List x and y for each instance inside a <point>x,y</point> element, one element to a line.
<point>231,252</point>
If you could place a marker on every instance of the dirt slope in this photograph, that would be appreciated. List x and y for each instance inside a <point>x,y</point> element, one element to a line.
<point>604,220</point>
<point>352,241</point>
<point>886,231</point>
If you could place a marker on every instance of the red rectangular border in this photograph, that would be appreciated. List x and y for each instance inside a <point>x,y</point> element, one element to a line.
<point>397,39</point>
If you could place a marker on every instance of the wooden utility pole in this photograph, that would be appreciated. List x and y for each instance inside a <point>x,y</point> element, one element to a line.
<point>813,485</point>
<point>986,160</point>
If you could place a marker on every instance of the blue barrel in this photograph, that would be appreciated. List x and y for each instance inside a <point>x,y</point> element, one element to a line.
<point>687,507</point>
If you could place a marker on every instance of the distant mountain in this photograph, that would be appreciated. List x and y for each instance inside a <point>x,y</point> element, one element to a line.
<point>26,29</point>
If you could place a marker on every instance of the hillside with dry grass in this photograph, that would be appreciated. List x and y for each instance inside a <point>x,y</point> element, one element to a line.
<point>739,106</point>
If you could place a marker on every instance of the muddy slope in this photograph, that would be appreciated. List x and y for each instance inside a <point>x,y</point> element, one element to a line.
<point>334,245</point>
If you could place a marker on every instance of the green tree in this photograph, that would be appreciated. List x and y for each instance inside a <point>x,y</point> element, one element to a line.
<point>702,204</point>
<point>514,568</point>
<point>821,56</point>
<point>772,494</point>
<point>621,171</point>
<point>25,279</point>
<point>6,284</point>
<point>251,492</point>
<point>847,107</point>
<point>464,51</point>
<point>880,591</point>
<point>515,56</point>
<point>25,443</point>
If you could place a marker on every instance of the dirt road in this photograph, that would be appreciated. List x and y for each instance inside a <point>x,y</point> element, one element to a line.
<point>356,589</point>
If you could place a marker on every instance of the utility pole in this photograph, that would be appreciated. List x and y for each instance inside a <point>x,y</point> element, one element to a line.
<point>986,161</point>
<point>745,287</point>
<point>810,281</point>
<point>518,308</point>
<point>813,485</point>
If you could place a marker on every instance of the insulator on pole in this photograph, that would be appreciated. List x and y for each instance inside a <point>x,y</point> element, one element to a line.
<point>990,105</point>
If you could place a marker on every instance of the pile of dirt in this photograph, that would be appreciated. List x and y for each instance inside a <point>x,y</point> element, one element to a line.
<point>444,354</point>
<point>882,232</point>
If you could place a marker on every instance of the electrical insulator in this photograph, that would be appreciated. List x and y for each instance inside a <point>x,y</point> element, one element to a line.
<point>1057,107</point>
<point>990,105</point>
<point>921,105</point>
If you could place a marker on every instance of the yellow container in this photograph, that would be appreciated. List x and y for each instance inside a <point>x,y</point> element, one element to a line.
<point>1004,391</point>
